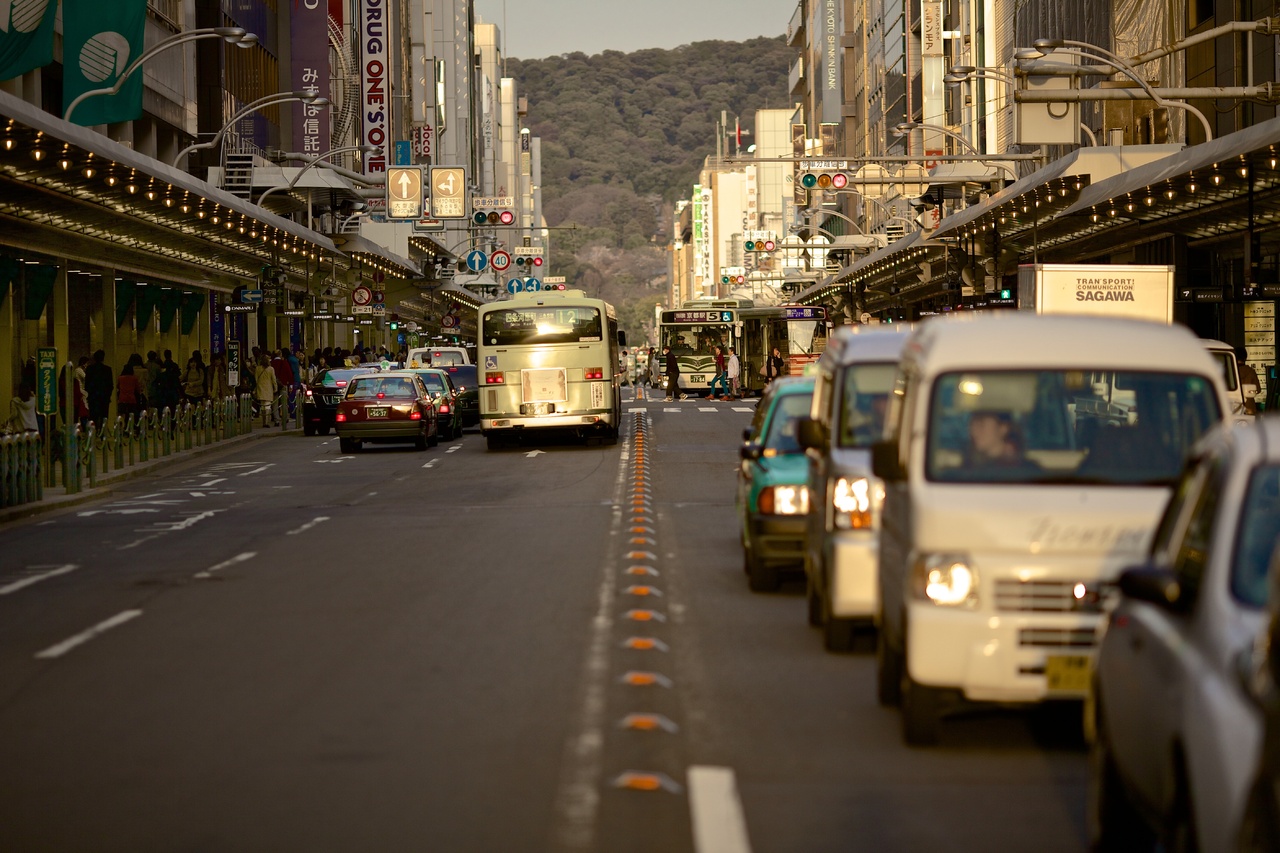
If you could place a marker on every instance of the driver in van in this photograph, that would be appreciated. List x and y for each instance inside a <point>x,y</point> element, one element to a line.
<point>995,441</point>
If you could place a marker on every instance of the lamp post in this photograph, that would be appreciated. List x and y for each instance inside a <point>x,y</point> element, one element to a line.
<point>960,73</point>
<point>1044,46</point>
<point>907,126</point>
<point>363,149</point>
<point>232,35</point>
<point>309,98</point>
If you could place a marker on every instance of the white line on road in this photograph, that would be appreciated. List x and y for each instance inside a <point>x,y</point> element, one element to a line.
<point>85,636</point>
<point>310,524</point>
<point>25,582</point>
<point>718,823</point>
<point>707,409</point>
<point>256,470</point>
<point>238,558</point>
<point>453,448</point>
<point>431,464</point>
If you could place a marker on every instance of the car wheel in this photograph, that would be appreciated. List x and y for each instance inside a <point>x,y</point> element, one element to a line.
<point>348,445</point>
<point>760,576</point>
<point>921,713</point>
<point>1114,823</point>
<point>308,429</point>
<point>889,666</point>
<point>323,430</point>
<point>420,443</point>
<point>814,600</point>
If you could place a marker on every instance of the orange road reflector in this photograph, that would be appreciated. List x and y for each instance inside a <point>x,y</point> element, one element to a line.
<point>644,616</point>
<point>642,570</point>
<point>643,590</point>
<point>637,678</point>
<point>645,644</point>
<point>641,540</point>
<point>640,555</point>
<point>648,723</point>
<point>640,529</point>
<point>636,780</point>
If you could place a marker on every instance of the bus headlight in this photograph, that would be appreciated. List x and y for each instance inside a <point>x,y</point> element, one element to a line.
<point>851,497</point>
<point>947,580</point>
<point>783,500</point>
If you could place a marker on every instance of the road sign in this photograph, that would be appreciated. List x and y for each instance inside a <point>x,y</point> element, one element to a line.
<point>515,285</point>
<point>448,321</point>
<point>532,284</point>
<point>477,260</point>
<point>448,192</point>
<point>361,296</point>
<point>362,309</point>
<point>404,192</point>
<point>553,279</point>
<point>379,309</point>
<point>251,296</point>
<point>233,364</point>
<point>46,369</point>
<point>500,260</point>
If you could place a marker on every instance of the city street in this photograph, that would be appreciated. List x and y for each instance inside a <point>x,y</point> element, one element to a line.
<point>550,647</point>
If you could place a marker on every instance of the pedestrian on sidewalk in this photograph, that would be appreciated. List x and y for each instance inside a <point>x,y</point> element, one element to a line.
<point>195,380</point>
<point>99,383</point>
<point>265,386</point>
<point>218,387</point>
<point>722,376</point>
<point>22,412</point>
<point>129,394</point>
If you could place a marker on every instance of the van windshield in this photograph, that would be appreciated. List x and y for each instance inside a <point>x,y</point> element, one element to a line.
<point>863,402</point>
<point>1066,426</point>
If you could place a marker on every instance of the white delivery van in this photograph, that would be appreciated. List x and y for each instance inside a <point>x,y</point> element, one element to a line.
<point>855,376</point>
<point>437,356</point>
<point>1014,492</point>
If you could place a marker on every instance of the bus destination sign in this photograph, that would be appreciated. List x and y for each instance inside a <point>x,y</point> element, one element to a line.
<point>806,312</point>
<point>697,316</point>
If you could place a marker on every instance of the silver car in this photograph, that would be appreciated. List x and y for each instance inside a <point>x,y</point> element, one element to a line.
<point>1176,735</point>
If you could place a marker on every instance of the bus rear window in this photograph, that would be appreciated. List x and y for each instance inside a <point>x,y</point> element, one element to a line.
<point>558,324</point>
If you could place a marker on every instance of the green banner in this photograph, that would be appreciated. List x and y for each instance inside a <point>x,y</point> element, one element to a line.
<point>145,300</point>
<point>168,304</point>
<point>100,41</point>
<point>39,287</point>
<point>26,36</point>
<point>124,299</point>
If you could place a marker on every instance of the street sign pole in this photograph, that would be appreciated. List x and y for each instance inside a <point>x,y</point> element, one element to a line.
<point>233,365</point>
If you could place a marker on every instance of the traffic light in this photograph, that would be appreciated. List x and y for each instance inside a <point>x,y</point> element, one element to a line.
<point>1006,294</point>
<point>824,180</point>
<point>493,217</point>
<point>760,245</point>
<point>394,322</point>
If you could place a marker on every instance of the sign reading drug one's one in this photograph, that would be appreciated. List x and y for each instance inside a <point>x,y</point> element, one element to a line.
<point>375,80</point>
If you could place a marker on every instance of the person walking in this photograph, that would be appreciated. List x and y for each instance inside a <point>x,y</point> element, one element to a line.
<point>169,383</point>
<point>195,380</point>
<point>733,369</point>
<point>129,394</point>
<point>774,366</point>
<point>219,390</point>
<point>671,369</point>
<point>99,383</point>
<point>151,379</point>
<point>265,386</point>
<point>722,376</point>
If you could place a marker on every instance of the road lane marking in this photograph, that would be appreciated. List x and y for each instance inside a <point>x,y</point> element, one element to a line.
<point>310,524</point>
<point>743,409</point>
<point>85,636</point>
<point>431,464</point>
<point>26,582</point>
<point>718,822</point>
<point>238,558</point>
<point>532,453</point>
<point>455,447</point>
<point>258,470</point>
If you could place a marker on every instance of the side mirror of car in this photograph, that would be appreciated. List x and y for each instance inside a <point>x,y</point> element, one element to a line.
<point>885,463</point>
<point>751,452</point>
<point>746,434</point>
<point>811,435</point>
<point>1155,585</point>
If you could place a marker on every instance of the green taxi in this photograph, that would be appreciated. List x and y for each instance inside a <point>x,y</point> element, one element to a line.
<point>773,498</point>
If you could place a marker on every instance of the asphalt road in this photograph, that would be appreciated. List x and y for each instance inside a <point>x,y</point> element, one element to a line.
<point>550,647</point>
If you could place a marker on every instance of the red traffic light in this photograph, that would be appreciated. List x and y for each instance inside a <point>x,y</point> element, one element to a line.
<point>537,262</point>
<point>839,180</point>
<point>506,217</point>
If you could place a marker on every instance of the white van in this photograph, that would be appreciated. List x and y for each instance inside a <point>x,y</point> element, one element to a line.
<point>855,376</point>
<point>1016,485</point>
<point>437,356</point>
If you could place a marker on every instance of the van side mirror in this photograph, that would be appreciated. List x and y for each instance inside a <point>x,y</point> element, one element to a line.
<point>751,451</point>
<point>885,463</point>
<point>1155,585</point>
<point>810,434</point>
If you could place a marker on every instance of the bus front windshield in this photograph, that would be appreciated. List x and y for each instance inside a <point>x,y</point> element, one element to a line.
<point>544,324</point>
<point>697,340</point>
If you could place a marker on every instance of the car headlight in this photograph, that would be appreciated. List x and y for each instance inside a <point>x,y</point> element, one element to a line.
<point>947,580</point>
<point>854,500</point>
<point>783,500</point>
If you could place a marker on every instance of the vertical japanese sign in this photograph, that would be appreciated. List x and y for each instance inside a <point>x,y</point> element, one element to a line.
<point>217,324</point>
<point>309,70</point>
<point>233,364</point>
<point>831,63</point>
<point>46,392</point>
<point>374,29</point>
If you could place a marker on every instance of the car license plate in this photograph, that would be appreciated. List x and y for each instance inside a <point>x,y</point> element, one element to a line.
<point>1068,673</point>
<point>376,413</point>
<point>697,377</point>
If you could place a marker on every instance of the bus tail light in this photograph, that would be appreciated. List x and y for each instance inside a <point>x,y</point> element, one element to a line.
<point>593,373</point>
<point>493,377</point>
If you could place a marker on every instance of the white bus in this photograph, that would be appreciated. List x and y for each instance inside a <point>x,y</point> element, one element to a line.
<point>798,331</point>
<point>549,360</point>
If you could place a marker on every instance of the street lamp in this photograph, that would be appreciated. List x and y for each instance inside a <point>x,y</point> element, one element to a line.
<point>961,73</point>
<point>363,149</point>
<point>907,126</point>
<point>232,35</point>
<point>1044,46</point>
<point>309,98</point>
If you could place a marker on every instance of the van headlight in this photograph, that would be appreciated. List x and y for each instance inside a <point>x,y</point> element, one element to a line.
<point>783,500</point>
<point>947,580</point>
<point>854,499</point>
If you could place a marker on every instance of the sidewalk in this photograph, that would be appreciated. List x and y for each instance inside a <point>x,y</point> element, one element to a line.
<point>56,497</point>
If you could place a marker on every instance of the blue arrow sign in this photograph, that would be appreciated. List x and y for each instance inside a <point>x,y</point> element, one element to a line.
<point>477,260</point>
<point>533,284</point>
<point>251,296</point>
<point>515,285</point>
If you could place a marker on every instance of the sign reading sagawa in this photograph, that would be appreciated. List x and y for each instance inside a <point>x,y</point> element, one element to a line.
<point>1108,290</point>
<point>375,78</point>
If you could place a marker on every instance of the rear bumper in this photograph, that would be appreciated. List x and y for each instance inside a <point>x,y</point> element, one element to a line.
<point>390,431</point>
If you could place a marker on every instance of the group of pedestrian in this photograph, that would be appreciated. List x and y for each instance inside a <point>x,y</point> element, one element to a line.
<point>725,384</point>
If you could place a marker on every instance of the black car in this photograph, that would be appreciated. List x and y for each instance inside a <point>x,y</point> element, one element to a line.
<point>320,398</point>
<point>464,378</point>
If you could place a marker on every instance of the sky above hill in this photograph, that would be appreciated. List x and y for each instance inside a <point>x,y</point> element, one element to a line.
<point>536,29</point>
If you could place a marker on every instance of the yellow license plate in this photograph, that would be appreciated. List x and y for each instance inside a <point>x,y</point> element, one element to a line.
<point>1068,673</point>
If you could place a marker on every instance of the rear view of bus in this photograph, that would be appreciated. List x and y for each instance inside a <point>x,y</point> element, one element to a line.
<point>548,361</point>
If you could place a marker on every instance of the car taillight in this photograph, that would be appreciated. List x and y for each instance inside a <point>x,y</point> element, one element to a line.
<point>593,373</point>
<point>381,395</point>
<point>340,418</point>
<point>309,394</point>
<point>444,408</point>
<point>494,378</point>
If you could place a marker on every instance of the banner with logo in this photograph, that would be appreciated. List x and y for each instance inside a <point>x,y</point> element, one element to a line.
<point>309,67</point>
<point>100,40</point>
<point>26,35</point>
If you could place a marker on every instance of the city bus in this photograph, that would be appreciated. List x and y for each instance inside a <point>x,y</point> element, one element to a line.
<point>798,331</point>
<point>549,361</point>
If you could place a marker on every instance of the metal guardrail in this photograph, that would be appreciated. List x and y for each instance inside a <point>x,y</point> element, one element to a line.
<point>78,456</point>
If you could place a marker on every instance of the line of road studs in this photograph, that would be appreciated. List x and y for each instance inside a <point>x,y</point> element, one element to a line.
<point>643,601</point>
